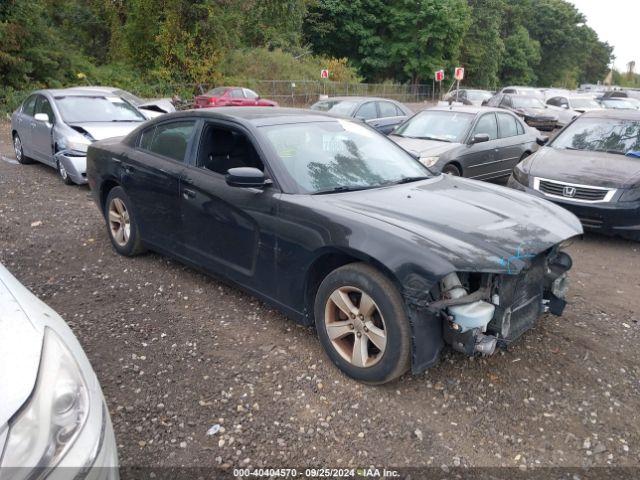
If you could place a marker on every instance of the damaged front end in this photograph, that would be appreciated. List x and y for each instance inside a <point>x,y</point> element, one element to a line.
<point>480,311</point>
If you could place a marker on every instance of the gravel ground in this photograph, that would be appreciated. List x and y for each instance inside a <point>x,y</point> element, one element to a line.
<point>177,352</point>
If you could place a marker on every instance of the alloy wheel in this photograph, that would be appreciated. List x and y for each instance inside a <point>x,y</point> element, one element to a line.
<point>355,326</point>
<point>62,171</point>
<point>17,146</point>
<point>119,222</point>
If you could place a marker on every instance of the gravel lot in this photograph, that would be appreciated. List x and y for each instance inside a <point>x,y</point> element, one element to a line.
<point>177,352</point>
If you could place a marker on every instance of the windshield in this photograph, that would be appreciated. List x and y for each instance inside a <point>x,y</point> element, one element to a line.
<point>341,154</point>
<point>600,134</point>
<point>447,126</point>
<point>76,109</point>
<point>618,103</point>
<point>478,95</point>
<point>340,107</point>
<point>217,92</point>
<point>520,101</point>
<point>584,103</point>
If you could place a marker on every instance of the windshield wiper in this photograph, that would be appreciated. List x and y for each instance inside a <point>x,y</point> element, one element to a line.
<point>428,138</point>
<point>343,188</point>
<point>615,152</point>
<point>408,180</point>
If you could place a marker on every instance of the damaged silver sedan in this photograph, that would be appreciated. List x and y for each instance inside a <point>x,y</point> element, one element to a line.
<point>55,127</point>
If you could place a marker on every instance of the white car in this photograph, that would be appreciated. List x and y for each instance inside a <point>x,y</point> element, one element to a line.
<point>567,107</point>
<point>54,422</point>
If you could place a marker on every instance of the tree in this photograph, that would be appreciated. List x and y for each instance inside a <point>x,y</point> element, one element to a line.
<point>482,48</point>
<point>405,39</point>
<point>521,58</point>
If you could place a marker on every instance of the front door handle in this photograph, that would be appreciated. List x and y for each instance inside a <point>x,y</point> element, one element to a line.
<point>188,193</point>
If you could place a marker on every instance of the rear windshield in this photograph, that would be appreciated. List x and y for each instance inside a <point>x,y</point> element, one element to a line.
<point>340,107</point>
<point>77,109</point>
<point>600,134</point>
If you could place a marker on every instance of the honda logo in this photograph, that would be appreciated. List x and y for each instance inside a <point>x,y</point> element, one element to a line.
<point>569,192</point>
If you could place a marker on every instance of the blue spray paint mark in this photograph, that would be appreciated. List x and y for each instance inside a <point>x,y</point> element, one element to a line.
<point>519,255</point>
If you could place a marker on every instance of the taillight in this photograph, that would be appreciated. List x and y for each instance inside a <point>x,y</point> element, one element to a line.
<point>212,100</point>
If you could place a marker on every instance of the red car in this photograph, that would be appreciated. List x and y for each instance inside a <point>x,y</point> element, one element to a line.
<point>231,97</point>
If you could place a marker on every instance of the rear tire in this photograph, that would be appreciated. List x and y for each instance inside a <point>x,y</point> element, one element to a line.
<point>17,148</point>
<point>121,224</point>
<point>451,169</point>
<point>372,342</point>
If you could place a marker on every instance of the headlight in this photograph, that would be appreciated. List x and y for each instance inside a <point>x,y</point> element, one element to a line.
<point>429,161</point>
<point>631,195</point>
<point>77,144</point>
<point>46,427</point>
<point>520,176</point>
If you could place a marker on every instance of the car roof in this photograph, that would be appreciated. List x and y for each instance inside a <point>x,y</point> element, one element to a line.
<point>465,109</point>
<point>356,98</point>
<point>259,116</point>
<point>615,114</point>
<point>77,91</point>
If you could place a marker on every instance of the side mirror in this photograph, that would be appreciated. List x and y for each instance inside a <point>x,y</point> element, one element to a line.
<point>480,138</point>
<point>542,140</point>
<point>245,177</point>
<point>42,117</point>
<point>565,106</point>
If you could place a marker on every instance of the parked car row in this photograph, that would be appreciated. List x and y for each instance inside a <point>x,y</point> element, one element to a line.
<point>390,259</point>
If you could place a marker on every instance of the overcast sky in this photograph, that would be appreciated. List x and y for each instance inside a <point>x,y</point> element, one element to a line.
<point>616,22</point>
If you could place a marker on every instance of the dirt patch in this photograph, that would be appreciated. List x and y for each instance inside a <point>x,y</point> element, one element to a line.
<point>177,352</point>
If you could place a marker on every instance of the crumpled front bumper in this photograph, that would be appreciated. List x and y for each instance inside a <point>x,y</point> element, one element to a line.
<point>75,163</point>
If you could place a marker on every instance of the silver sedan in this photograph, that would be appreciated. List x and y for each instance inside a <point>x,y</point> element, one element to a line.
<point>53,418</point>
<point>55,127</point>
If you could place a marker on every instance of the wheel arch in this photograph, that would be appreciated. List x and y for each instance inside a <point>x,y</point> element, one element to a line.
<point>105,187</point>
<point>457,164</point>
<point>329,260</point>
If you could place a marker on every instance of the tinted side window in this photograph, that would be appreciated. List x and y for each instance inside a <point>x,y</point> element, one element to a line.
<point>367,111</point>
<point>553,101</point>
<point>43,106</point>
<point>495,100</point>
<point>171,139</point>
<point>250,94</point>
<point>237,93</point>
<point>145,138</point>
<point>508,125</point>
<point>387,109</point>
<point>509,90</point>
<point>520,127</point>
<point>487,124</point>
<point>223,148</point>
<point>29,106</point>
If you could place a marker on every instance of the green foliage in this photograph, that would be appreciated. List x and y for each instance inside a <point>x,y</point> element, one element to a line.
<point>521,58</point>
<point>405,40</point>
<point>483,47</point>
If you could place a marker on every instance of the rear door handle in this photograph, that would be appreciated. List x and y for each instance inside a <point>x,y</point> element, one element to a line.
<point>188,193</point>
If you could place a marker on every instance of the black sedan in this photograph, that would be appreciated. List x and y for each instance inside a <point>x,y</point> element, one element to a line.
<point>530,108</point>
<point>474,142</point>
<point>336,225</point>
<point>592,168</point>
<point>380,113</point>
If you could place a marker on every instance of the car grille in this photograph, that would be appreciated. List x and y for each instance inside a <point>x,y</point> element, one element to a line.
<point>573,192</point>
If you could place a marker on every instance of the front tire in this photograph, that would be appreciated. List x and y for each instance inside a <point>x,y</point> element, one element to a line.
<point>64,175</point>
<point>19,151</point>
<point>121,224</point>
<point>451,169</point>
<point>362,324</point>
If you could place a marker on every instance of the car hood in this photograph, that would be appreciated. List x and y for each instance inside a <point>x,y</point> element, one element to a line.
<point>102,130</point>
<point>162,105</point>
<point>22,327</point>
<point>536,112</point>
<point>423,148</point>
<point>474,225</point>
<point>599,169</point>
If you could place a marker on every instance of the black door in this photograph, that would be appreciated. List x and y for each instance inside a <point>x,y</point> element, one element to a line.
<point>151,177</point>
<point>228,230</point>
